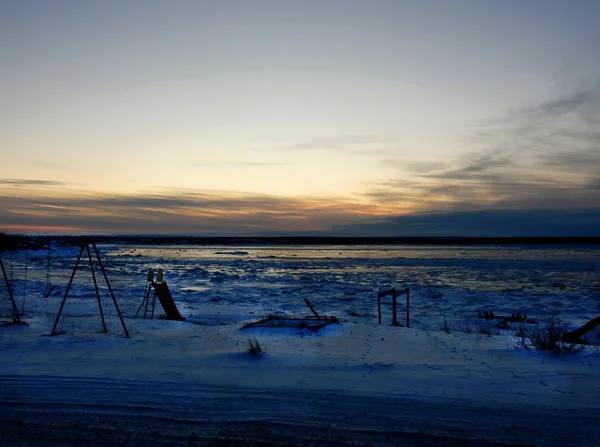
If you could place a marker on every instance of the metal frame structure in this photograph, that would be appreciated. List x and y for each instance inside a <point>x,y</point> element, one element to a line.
<point>16,318</point>
<point>395,293</point>
<point>86,245</point>
<point>149,301</point>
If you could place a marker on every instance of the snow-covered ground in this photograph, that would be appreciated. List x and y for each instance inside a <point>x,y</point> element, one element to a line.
<point>357,383</point>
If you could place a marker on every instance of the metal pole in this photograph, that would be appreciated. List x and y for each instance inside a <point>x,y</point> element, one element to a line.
<point>153,301</point>
<point>110,290</point>
<point>87,246</point>
<point>394,313</point>
<point>24,284</point>
<point>62,304</point>
<point>16,317</point>
<point>379,308</point>
<point>407,308</point>
<point>146,295</point>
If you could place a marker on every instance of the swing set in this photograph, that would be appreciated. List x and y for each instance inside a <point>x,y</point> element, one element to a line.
<point>16,318</point>
<point>49,287</point>
<point>9,281</point>
<point>86,245</point>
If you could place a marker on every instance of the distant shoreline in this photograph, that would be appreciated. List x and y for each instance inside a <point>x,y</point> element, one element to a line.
<point>8,242</point>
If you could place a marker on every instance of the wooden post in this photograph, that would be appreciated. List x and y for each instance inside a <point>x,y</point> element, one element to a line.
<point>379,307</point>
<point>394,310</point>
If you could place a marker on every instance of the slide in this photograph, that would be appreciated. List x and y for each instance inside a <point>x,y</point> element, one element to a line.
<point>575,336</point>
<point>166,300</point>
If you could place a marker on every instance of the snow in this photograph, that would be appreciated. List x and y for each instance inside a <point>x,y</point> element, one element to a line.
<point>360,382</point>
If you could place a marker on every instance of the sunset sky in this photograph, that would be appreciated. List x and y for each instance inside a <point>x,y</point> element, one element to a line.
<point>391,118</point>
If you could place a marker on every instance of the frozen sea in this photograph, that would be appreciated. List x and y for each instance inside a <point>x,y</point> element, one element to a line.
<point>226,284</point>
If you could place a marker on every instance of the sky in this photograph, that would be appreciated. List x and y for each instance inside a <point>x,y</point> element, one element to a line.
<point>253,117</point>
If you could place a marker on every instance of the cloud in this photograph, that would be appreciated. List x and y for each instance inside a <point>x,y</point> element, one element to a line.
<point>28,182</point>
<point>347,144</point>
<point>485,223</point>
<point>532,168</point>
<point>175,212</point>
<point>586,161</point>
<point>479,166</point>
<point>559,107</point>
<point>51,165</point>
<point>595,183</point>
<point>413,166</point>
<point>245,164</point>
<point>539,157</point>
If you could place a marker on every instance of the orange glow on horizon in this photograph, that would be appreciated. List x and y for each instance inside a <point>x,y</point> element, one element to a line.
<point>40,229</point>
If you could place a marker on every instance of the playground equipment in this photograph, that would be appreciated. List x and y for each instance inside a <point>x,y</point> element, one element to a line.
<point>15,312</point>
<point>314,323</point>
<point>576,335</point>
<point>149,302</point>
<point>160,289</point>
<point>86,245</point>
<point>395,293</point>
<point>49,287</point>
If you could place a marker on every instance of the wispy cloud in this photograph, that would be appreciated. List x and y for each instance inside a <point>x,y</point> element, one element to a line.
<point>413,166</point>
<point>482,223</point>
<point>576,102</point>
<point>348,144</point>
<point>17,182</point>
<point>244,164</point>
<point>51,165</point>
<point>542,156</point>
<point>189,212</point>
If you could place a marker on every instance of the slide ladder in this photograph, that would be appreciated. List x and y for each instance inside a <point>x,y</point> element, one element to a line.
<point>160,289</point>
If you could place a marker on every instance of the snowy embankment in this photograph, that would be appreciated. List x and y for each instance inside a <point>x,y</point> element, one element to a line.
<point>176,383</point>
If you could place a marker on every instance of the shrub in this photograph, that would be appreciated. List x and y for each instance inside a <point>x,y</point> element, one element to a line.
<point>488,328</point>
<point>547,336</point>
<point>254,347</point>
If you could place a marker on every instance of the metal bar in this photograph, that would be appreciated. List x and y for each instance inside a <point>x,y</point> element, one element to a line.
<point>312,309</point>
<point>16,317</point>
<point>153,304</point>
<point>62,304</point>
<point>387,292</point>
<point>144,300</point>
<point>24,284</point>
<point>110,290</point>
<point>407,308</point>
<point>87,246</point>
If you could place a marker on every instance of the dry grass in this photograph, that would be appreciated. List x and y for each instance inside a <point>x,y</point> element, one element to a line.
<point>547,336</point>
<point>254,348</point>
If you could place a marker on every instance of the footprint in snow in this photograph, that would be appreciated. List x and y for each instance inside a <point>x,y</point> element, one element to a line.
<point>543,383</point>
<point>437,368</point>
<point>564,391</point>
